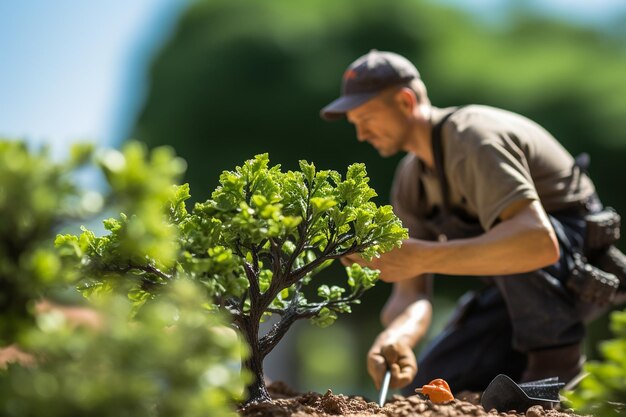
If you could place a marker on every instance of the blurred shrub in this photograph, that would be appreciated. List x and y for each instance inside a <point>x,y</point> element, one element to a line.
<point>37,196</point>
<point>173,359</point>
<point>603,391</point>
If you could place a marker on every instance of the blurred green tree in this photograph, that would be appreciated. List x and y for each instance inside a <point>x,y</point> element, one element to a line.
<point>603,391</point>
<point>37,196</point>
<point>172,359</point>
<point>239,78</point>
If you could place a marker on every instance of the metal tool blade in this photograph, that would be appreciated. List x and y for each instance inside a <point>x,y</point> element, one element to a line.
<point>384,388</point>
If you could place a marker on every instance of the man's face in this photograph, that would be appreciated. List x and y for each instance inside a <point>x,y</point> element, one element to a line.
<point>380,122</point>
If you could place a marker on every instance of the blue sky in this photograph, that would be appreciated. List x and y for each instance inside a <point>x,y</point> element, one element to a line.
<point>73,69</point>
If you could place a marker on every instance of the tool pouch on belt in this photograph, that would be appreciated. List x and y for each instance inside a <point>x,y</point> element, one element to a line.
<point>591,284</point>
<point>603,230</point>
<point>588,282</point>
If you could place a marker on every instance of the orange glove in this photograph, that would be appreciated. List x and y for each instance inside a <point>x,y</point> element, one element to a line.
<point>437,391</point>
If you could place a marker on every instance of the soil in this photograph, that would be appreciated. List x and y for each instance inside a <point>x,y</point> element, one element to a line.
<point>287,403</point>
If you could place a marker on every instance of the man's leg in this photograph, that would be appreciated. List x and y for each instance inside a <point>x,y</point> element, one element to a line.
<point>547,325</point>
<point>473,348</point>
<point>547,319</point>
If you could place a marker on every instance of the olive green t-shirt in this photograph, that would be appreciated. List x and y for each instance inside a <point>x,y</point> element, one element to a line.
<point>492,158</point>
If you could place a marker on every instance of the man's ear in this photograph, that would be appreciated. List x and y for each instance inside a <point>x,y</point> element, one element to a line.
<point>406,100</point>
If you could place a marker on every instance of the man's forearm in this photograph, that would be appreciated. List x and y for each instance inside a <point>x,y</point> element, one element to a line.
<point>523,243</point>
<point>410,326</point>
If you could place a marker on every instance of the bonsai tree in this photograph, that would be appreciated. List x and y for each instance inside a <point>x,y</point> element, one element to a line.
<point>254,245</point>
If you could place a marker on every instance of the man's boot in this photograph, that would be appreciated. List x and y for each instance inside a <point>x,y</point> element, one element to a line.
<point>565,362</point>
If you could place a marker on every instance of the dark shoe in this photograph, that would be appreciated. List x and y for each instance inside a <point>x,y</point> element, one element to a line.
<point>564,362</point>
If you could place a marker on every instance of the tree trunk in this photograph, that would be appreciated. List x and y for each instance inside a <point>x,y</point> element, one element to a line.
<point>257,392</point>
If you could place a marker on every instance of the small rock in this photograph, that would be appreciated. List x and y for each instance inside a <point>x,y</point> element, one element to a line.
<point>414,399</point>
<point>534,411</point>
<point>420,408</point>
<point>447,412</point>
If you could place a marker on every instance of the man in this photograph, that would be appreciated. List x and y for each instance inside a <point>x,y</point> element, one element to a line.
<point>483,192</point>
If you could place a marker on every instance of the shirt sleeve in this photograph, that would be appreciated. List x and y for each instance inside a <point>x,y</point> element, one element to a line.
<point>406,198</point>
<point>492,175</point>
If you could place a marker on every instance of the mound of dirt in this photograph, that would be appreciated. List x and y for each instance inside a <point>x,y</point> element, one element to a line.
<point>287,403</point>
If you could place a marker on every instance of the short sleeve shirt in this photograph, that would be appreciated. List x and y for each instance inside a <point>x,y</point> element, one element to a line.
<point>492,158</point>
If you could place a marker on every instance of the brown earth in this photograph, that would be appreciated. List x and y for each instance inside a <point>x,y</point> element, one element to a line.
<point>287,403</point>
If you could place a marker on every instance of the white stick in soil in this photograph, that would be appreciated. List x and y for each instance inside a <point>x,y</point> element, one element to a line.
<point>384,388</point>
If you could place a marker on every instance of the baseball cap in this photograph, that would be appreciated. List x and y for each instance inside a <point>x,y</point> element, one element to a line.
<point>368,76</point>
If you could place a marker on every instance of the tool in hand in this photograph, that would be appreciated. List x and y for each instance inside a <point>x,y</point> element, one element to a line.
<point>384,387</point>
<point>438,391</point>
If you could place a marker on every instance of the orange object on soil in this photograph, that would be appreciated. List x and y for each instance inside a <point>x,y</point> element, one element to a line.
<point>437,390</point>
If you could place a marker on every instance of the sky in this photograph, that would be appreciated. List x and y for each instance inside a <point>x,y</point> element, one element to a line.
<point>72,70</point>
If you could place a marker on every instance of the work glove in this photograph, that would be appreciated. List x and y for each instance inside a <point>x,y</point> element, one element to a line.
<point>398,357</point>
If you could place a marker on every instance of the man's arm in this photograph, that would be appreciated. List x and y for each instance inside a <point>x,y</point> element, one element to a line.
<point>406,316</point>
<point>523,241</point>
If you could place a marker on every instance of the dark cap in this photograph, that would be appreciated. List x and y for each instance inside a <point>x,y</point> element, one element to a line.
<point>368,76</point>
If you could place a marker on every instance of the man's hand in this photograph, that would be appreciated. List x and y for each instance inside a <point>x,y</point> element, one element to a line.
<point>398,357</point>
<point>398,264</point>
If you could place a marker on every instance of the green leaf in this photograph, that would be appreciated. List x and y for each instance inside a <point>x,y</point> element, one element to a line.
<point>324,318</point>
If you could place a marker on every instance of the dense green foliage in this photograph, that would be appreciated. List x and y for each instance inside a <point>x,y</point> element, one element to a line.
<point>173,358</point>
<point>143,185</point>
<point>37,196</point>
<point>603,391</point>
<point>260,238</point>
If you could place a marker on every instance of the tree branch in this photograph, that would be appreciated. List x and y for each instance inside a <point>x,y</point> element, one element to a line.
<point>144,268</point>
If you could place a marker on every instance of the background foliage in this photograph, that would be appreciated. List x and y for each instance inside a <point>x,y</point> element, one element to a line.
<point>603,391</point>
<point>173,359</point>
<point>239,78</point>
<point>37,196</point>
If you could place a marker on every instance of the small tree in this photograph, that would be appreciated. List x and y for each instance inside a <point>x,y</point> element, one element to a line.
<point>255,244</point>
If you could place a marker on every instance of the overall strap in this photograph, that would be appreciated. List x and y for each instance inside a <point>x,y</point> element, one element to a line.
<point>438,157</point>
